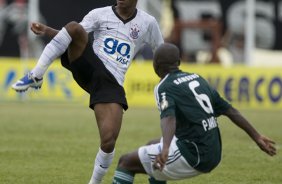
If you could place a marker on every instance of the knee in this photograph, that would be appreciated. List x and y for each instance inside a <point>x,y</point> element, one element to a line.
<point>123,162</point>
<point>108,143</point>
<point>74,29</point>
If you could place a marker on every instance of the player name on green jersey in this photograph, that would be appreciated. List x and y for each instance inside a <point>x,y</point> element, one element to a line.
<point>209,123</point>
<point>185,79</point>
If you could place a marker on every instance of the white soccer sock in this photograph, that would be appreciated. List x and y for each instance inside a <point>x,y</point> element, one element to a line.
<point>102,162</point>
<point>57,46</point>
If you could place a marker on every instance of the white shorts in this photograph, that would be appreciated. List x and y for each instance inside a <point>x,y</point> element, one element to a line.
<point>176,167</point>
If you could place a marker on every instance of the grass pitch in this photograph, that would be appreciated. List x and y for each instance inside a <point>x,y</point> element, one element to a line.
<point>57,144</point>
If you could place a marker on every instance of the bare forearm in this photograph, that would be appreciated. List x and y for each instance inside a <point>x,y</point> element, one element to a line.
<point>242,122</point>
<point>50,32</point>
<point>265,144</point>
<point>168,126</point>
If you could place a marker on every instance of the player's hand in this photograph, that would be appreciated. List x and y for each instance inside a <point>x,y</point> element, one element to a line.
<point>161,160</point>
<point>38,28</point>
<point>266,145</point>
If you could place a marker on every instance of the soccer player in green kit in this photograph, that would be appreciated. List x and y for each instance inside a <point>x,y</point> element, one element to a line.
<point>190,143</point>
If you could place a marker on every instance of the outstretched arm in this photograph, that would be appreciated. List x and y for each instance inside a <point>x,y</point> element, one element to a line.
<point>265,144</point>
<point>168,126</point>
<point>43,30</point>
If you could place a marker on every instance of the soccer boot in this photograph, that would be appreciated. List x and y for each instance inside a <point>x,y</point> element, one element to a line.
<point>26,82</point>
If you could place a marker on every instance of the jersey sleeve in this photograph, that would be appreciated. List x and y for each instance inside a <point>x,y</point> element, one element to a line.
<point>220,105</point>
<point>91,21</point>
<point>155,37</point>
<point>165,102</point>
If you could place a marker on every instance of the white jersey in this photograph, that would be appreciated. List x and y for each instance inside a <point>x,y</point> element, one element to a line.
<point>117,41</point>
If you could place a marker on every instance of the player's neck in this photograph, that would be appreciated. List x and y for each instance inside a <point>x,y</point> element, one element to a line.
<point>163,72</point>
<point>125,13</point>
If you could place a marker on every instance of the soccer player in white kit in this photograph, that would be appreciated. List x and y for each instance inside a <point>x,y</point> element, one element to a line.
<point>98,52</point>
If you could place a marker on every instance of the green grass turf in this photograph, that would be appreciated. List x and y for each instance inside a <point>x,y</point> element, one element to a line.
<point>57,143</point>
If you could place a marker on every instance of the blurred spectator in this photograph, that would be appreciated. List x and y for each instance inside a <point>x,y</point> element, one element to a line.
<point>267,25</point>
<point>215,25</point>
<point>197,27</point>
<point>13,18</point>
<point>154,8</point>
<point>14,26</point>
<point>2,25</point>
<point>15,15</point>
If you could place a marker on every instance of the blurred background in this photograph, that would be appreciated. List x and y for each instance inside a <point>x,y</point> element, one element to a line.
<point>235,44</point>
<point>50,136</point>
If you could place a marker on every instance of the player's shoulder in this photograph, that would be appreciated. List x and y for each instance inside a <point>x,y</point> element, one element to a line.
<point>166,83</point>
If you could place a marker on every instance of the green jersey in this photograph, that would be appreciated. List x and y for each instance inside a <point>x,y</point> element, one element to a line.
<point>196,106</point>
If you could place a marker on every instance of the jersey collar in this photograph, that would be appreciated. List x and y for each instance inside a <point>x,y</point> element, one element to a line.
<point>124,20</point>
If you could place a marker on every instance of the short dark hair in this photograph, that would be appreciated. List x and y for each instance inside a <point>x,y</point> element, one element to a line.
<point>166,58</point>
